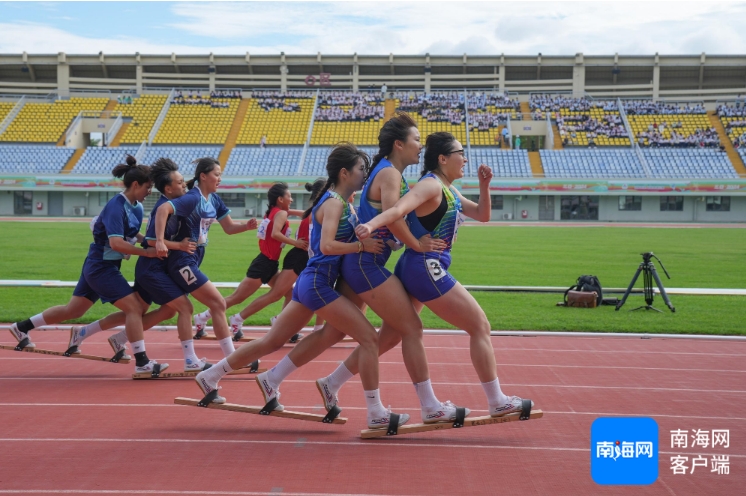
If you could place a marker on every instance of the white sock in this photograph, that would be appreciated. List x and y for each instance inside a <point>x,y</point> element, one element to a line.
<point>38,320</point>
<point>337,378</point>
<point>91,329</point>
<point>187,347</point>
<point>217,371</point>
<point>373,402</point>
<point>138,346</point>
<point>226,344</point>
<point>279,372</point>
<point>206,315</point>
<point>426,395</point>
<point>495,396</point>
<point>236,319</point>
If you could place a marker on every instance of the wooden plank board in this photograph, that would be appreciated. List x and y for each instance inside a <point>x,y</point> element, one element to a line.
<point>313,417</point>
<point>468,422</point>
<point>62,354</point>
<point>166,375</point>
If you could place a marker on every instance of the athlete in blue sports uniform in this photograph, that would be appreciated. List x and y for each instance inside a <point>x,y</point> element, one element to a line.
<point>195,212</point>
<point>331,236</point>
<point>440,209</point>
<point>152,282</point>
<point>115,231</point>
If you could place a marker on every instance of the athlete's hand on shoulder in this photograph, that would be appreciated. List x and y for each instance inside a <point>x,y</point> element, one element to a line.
<point>187,245</point>
<point>372,245</point>
<point>428,243</point>
<point>251,224</point>
<point>484,173</point>
<point>302,244</point>
<point>152,252</point>
<point>160,249</point>
<point>362,231</point>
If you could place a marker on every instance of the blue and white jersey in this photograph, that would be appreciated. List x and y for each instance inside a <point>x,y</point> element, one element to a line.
<point>345,231</point>
<point>172,224</point>
<point>196,214</point>
<point>119,219</point>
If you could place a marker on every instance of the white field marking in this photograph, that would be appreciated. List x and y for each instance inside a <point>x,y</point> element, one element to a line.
<point>409,383</point>
<point>405,409</point>
<point>160,491</point>
<point>467,364</point>
<point>357,444</point>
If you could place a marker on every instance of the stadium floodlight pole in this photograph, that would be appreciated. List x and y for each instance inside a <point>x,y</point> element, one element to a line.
<point>649,273</point>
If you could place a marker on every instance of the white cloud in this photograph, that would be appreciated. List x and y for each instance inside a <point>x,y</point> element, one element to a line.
<point>557,28</point>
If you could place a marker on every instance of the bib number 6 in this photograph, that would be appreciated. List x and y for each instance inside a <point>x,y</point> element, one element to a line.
<point>434,268</point>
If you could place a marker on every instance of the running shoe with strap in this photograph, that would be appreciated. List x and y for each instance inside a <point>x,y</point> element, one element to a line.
<point>148,367</point>
<point>20,335</point>
<point>77,335</point>
<point>198,366</point>
<point>268,390</point>
<point>383,421</point>
<point>118,342</point>
<point>236,326</point>
<point>207,386</point>
<point>199,326</point>
<point>446,412</point>
<point>330,399</point>
<point>514,405</point>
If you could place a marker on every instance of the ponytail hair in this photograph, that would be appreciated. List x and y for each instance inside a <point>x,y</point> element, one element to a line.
<point>130,172</point>
<point>315,190</point>
<point>205,165</point>
<point>160,173</point>
<point>277,190</point>
<point>437,144</point>
<point>343,156</point>
<point>395,129</point>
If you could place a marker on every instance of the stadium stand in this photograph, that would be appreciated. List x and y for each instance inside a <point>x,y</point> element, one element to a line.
<point>33,159</point>
<point>487,113</point>
<point>733,118</point>
<point>46,122</point>
<point>582,121</point>
<point>670,124</point>
<point>143,111</point>
<point>282,117</point>
<point>591,163</point>
<point>197,119</point>
<point>99,160</point>
<point>268,161</point>
<point>5,108</point>
<point>700,163</point>
<point>346,116</point>
<point>315,164</point>
<point>504,163</point>
<point>434,112</point>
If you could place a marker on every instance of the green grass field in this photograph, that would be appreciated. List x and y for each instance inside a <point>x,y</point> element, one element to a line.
<point>512,256</point>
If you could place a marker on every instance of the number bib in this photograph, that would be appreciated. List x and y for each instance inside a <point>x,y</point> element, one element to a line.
<point>261,231</point>
<point>436,271</point>
<point>460,219</point>
<point>204,227</point>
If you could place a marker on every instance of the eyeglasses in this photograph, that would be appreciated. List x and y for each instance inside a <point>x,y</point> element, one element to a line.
<point>455,151</point>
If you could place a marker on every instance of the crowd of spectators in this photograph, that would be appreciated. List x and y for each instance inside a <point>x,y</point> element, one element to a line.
<point>738,109</point>
<point>225,94</point>
<point>655,136</point>
<point>610,125</point>
<point>483,121</point>
<point>649,107</point>
<point>350,98</point>
<point>196,98</point>
<point>480,101</point>
<point>278,100</point>
<point>124,99</point>
<point>443,106</point>
<point>540,104</point>
<point>345,106</point>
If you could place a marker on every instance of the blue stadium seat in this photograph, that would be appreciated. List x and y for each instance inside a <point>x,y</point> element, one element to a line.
<point>591,163</point>
<point>689,163</point>
<point>33,159</point>
<point>504,163</point>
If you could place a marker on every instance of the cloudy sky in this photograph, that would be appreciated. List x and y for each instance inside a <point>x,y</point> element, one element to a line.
<point>516,28</point>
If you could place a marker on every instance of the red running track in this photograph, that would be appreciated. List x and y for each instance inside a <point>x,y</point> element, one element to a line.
<point>74,426</point>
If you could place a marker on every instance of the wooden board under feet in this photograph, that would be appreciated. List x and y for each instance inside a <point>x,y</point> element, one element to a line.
<point>313,417</point>
<point>62,354</point>
<point>468,422</point>
<point>192,373</point>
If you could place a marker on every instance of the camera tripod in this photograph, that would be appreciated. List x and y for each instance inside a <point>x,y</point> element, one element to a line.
<point>648,270</point>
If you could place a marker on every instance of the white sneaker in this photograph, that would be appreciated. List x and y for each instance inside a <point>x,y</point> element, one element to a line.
<point>199,323</point>
<point>446,412</point>
<point>198,366</point>
<point>118,342</point>
<point>383,421</point>
<point>20,336</point>
<point>330,399</point>
<point>236,326</point>
<point>207,386</point>
<point>268,391</point>
<point>148,367</point>
<point>77,335</point>
<point>272,320</point>
<point>514,404</point>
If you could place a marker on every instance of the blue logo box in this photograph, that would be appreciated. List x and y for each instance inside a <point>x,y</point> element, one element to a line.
<point>624,451</point>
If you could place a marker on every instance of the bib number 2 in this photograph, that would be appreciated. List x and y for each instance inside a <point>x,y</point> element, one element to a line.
<point>436,271</point>
<point>188,275</point>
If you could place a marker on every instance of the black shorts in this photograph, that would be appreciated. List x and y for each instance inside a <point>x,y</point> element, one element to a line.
<point>295,260</point>
<point>262,268</point>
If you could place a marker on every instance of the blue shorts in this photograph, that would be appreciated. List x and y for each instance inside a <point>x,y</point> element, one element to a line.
<point>365,271</point>
<point>183,269</point>
<point>102,279</point>
<point>315,286</point>
<point>153,283</point>
<point>425,275</point>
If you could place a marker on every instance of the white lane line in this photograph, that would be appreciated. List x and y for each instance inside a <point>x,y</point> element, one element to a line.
<point>160,491</point>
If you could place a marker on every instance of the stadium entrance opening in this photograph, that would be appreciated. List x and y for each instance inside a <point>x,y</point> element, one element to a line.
<point>23,202</point>
<point>583,207</point>
<point>546,207</point>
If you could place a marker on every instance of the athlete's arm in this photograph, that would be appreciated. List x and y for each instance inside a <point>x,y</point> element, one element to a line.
<point>161,218</point>
<point>295,213</point>
<point>140,237</point>
<point>421,192</point>
<point>279,221</point>
<point>232,227</point>
<point>328,215</point>
<point>184,245</point>
<point>390,181</point>
<point>479,211</point>
<point>119,244</point>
